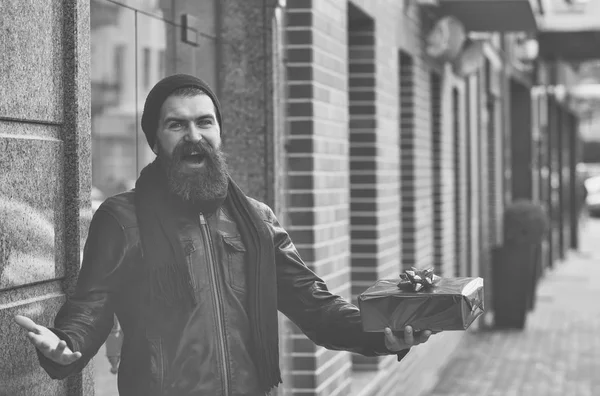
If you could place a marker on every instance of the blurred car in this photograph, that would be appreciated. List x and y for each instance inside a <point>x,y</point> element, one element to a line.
<point>592,199</point>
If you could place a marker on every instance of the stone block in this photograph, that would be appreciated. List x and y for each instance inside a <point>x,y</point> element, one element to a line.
<point>20,372</point>
<point>31,65</point>
<point>31,208</point>
<point>246,93</point>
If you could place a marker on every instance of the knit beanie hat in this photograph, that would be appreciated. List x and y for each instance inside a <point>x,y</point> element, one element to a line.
<point>161,91</point>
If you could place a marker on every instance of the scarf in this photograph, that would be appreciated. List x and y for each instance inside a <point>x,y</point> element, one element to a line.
<point>169,281</point>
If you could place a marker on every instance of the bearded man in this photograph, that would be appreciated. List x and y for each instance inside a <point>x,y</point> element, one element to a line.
<point>195,272</point>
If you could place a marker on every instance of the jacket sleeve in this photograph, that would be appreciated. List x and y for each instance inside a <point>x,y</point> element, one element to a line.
<point>86,318</point>
<point>327,319</point>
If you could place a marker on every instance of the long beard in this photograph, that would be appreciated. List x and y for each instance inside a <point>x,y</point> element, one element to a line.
<point>199,185</point>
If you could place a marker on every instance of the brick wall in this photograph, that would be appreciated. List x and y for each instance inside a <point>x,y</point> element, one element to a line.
<point>428,148</point>
<point>437,182</point>
<point>420,195</point>
<point>372,159</point>
<point>416,150</point>
<point>385,135</point>
<point>484,175</point>
<point>383,259</point>
<point>364,177</point>
<point>473,171</point>
<point>407,132</point>
<point>318,164</point>
<point>458,181</point>
<point>430,162</point>
<point>448,144</point>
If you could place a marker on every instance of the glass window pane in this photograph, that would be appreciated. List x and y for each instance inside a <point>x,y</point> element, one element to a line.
<point>159,58</point>
<point>113,98</point>
<point>205,65</point>
<point>131,50</point>
<point>152,38</point>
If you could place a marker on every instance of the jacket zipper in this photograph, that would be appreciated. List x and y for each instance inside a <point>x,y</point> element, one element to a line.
<point>212,269</point>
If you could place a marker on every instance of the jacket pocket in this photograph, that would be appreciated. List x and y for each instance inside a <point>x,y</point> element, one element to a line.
<point>157,361</point>
<point>189,249</point>
<point>235,256</point>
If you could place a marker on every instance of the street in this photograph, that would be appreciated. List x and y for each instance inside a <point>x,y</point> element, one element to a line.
<point>557,354</point>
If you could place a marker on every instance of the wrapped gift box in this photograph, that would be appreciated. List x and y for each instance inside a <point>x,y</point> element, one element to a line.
<point>422,300</point>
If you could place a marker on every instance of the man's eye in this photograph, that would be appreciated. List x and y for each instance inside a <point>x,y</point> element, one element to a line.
<point>205,121</point>
<point>175,125</point>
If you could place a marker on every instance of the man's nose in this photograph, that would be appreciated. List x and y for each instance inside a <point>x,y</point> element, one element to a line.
<point>194,134</point>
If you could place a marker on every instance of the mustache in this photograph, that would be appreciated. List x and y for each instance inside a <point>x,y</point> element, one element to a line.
<point>202,147</point>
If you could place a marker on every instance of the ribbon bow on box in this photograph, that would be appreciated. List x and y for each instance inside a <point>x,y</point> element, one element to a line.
<point>416,280</point>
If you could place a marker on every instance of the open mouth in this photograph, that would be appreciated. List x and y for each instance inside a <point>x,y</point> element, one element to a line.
<point>193,158</point>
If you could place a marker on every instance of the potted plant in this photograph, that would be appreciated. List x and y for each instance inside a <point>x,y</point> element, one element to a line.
<point>516,264</point>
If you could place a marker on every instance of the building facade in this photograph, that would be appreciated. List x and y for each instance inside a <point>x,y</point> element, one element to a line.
<point>376,153</point>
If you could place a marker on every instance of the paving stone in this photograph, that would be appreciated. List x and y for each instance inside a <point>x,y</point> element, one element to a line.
<point>558,353</point>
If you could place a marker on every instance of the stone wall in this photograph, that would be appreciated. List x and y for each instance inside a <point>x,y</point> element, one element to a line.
<point>44,179</point>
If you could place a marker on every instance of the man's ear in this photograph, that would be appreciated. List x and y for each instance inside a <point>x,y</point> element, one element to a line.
<point>155,148</point>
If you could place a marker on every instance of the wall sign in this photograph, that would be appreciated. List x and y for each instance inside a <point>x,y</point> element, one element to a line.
<point>189,29</point>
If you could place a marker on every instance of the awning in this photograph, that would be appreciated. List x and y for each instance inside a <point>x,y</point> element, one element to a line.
<point>571,46</point>
<point>570,33</point>
<point>491,15</point>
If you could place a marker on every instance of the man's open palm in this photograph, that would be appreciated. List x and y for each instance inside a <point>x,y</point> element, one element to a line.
<point>47,342</point>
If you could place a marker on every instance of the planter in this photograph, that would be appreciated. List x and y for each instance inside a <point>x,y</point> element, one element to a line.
<point>514,283</point>
<point>517,265</point>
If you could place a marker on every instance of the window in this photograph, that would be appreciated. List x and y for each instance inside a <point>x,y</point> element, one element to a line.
<point>147,59</point>
<point>134,44</point>
<point>161,64</point>
<point>119,67</point>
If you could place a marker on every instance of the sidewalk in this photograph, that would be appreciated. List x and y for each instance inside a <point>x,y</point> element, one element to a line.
<point>559,351</point>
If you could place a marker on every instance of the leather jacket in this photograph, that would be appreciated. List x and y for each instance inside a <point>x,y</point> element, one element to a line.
<point>203,350</point>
